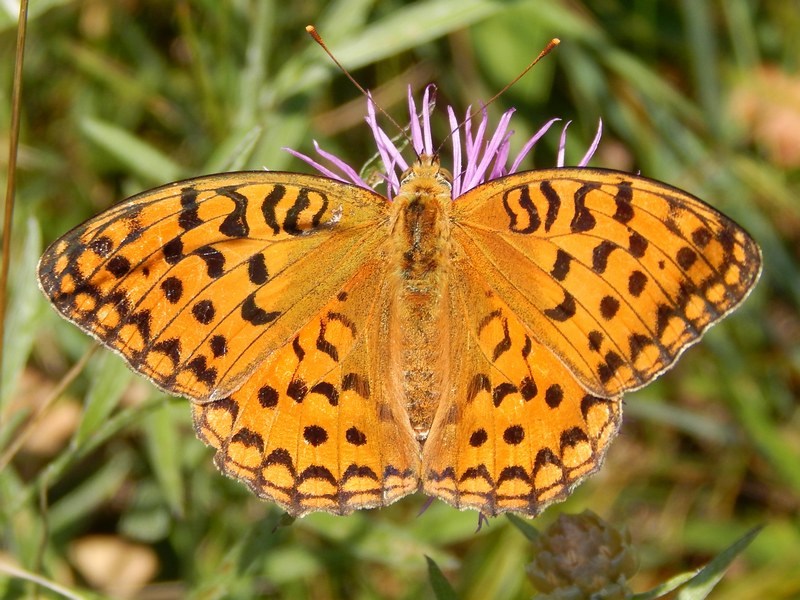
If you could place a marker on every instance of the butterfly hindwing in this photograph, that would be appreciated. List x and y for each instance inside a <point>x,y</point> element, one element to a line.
<point>312,428</point>
<point>517,432</point>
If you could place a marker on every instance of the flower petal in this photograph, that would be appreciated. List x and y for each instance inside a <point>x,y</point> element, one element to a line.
<point>593,148</point>
<point>530,144</point>
<point>562,145</point>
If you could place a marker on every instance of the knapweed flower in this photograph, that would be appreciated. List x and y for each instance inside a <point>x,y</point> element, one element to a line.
<point>481,156</point>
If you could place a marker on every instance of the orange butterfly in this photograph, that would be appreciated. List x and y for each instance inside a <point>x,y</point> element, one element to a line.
<point>469,338</point>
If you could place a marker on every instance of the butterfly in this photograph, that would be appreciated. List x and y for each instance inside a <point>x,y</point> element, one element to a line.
<point>467,338</point>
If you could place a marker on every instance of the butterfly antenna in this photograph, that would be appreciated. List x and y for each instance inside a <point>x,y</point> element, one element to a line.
<point>547,50</point>
<point>312,31</point>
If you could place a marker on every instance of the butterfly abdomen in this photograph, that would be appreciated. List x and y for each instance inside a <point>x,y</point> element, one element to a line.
<point>420,254</point>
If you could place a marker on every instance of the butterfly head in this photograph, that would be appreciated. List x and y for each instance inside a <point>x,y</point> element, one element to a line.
<point>427,167</point>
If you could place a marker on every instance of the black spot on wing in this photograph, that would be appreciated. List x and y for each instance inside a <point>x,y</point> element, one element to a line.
<point>583,220</point>
<point>355,436</point>
<point>500,392</point>
<point>298,349</point>
<point>478,438</point>
<point>257,269</point>
<point>254,314</point>
<point>317,472</point>
<point>214,259</point>
<point>290,224</point>
<point>189,217</point>
<point>503,345</point>
<point>637,245</point>
<point>600,256</point>
<point>595,340</point>
<point>268,206</point>
<point>297,390</point>
<point>315,435</point>
<point>118,266</point>
<point>357,383</point>
<point>564,311</point>
<point>636,283</point>
<point>202,372</point>
<point>268,397</point>
<point>171,348</point>
<point>622,199</point>
<point>328,390</point>
<point>514,435</point>
<point>235,224</point>
<point>561,266</point>
<point>686,257</point>
<point>219,345</point>
<point>528,388</point>
<point>101,246</point>
<point>554,395</point>
<point>521,211</point>
<point>249,438</point>
<point>553,203</point>
<point>323,345</point>
<point>173,251</point>
<point>204,311</point>
<point>173,289</point>
<point>609,307</point>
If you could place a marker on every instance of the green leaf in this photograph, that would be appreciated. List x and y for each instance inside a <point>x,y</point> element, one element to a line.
<point>698,585</point>
<point>139,157</point>
<point>707,578</point>
<point>158,427</point>
<point>442,589</point>
<point>24,306</point>
<point>109,380</point>
<point>665,588</point>
<point>401,30</point>
<point>528,530</point>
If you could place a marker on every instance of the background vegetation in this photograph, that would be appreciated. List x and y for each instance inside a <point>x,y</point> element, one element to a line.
<point>111,493</point>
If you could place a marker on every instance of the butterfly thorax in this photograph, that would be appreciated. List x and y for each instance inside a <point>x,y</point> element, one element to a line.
<point>421,247</point>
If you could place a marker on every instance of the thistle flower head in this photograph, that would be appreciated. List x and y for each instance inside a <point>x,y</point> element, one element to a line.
<point>582,556</point>
<point>479,154</point>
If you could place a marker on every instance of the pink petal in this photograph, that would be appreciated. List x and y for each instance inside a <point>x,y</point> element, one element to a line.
<point>530,144</point>
<point>593,148</point>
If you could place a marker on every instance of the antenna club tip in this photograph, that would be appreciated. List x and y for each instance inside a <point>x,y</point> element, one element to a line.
<point>555,41</point>
<point>312,31</point>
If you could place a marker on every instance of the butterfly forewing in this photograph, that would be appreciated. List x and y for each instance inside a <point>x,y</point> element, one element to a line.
<point>195,282</point>
<point>615,274</point>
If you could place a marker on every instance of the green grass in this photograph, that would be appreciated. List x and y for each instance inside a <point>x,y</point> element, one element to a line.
<point>122,96</point>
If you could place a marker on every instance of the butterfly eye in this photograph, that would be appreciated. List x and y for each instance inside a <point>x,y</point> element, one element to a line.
<point>407,175</point>
<point>445,176</point>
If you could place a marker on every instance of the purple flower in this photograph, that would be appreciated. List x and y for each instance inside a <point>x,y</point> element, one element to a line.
<point>483,155</point>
